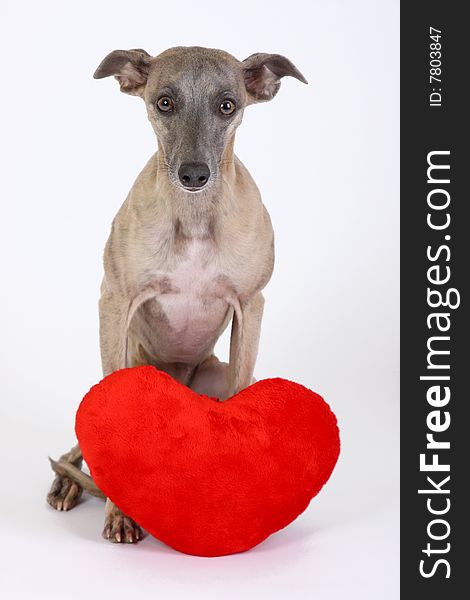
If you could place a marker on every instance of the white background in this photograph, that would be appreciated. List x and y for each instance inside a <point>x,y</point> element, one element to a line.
<point>326,160</point>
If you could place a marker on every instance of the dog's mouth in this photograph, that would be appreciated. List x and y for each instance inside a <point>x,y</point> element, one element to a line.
<point>192,190</point>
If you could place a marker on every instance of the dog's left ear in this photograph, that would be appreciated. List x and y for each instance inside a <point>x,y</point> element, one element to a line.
<point>129,67</point>
<point>263,73</point>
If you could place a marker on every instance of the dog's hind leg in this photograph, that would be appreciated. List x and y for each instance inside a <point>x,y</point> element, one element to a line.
<point>65,492</point>
<point>211,378</point>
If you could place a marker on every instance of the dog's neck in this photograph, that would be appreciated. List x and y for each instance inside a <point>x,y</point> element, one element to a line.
<point>195,214</point>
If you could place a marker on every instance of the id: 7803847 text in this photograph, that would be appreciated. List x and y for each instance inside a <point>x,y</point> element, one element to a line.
<point>435,67</point>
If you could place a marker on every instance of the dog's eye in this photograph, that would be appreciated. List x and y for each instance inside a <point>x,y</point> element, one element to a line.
<point>165,104</point>
<point>227,107</point>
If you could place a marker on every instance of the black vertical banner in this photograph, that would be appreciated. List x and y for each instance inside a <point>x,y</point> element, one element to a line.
<point>435,270</point>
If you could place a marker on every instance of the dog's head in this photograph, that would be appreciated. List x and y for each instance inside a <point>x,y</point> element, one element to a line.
<point>195,99</point>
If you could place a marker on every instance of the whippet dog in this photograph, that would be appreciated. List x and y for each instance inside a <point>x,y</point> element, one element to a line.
<point>192,247</point>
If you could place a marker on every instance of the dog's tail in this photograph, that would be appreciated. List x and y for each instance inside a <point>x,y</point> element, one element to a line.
<point>67,469</point>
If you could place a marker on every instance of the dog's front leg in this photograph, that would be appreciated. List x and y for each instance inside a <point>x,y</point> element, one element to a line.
<point>114,316</point>
<point>244,341</point>
<point>115,313</point>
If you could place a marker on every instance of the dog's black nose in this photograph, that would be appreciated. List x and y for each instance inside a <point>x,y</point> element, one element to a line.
<point>194,174</point>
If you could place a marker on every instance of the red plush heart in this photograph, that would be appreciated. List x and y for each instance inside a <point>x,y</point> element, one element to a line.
<point>207,477</point>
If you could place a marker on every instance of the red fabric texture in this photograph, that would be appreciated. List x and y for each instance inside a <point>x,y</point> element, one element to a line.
<point>206,477</point>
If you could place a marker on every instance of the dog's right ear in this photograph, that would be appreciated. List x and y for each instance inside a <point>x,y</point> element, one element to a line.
<point>263,73</point>
<point>129,67</point>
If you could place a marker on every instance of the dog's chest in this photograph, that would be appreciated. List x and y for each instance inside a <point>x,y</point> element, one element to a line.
<point>194,302</point>
<point>196,273</point>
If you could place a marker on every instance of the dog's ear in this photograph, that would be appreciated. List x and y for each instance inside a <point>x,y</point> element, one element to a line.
<point>263,73</point>
<point>129,67</point>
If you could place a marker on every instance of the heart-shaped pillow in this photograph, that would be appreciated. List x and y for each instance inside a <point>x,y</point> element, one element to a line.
<point>206,477</point>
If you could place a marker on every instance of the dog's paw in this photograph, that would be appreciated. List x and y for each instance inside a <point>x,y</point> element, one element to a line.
<point>121,529</point>
<point>64,493</point>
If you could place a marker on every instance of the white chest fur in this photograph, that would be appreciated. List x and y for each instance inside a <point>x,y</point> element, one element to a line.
<point>195,305</point>
<point>197,268</point>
